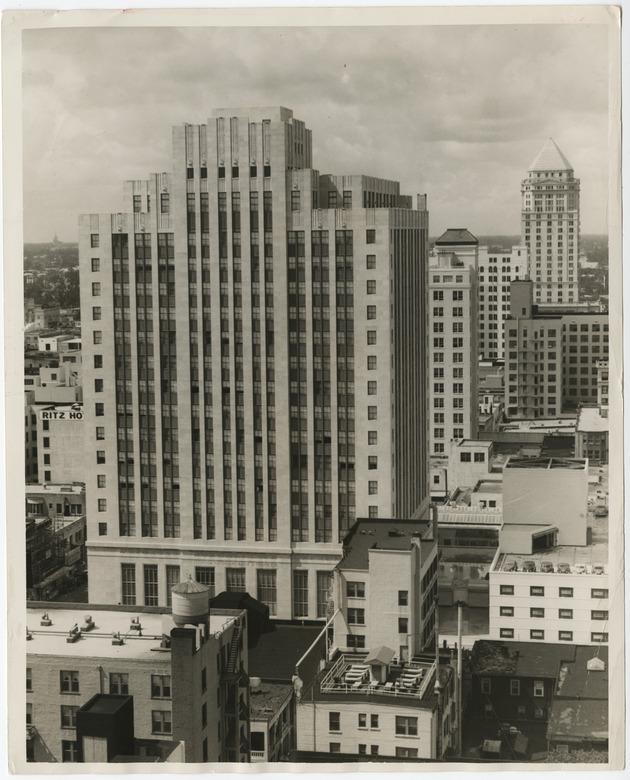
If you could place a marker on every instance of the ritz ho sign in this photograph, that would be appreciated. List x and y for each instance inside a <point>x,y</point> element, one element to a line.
<point>58,415</point>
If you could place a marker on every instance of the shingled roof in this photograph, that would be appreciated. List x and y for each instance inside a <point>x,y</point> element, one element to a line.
<point>461,236</point>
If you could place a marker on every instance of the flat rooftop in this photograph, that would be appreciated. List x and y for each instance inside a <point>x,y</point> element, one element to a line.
<point>265,702</point>
<point>383,535</point>
<point>590,420</point>
<point>408,684</point>
<point>546,463</point>
<point>591,554</point>
<point>144,644</point>
<point>522,659</point>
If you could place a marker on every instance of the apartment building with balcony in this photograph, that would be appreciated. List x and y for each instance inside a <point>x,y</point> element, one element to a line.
<point>551,356</point>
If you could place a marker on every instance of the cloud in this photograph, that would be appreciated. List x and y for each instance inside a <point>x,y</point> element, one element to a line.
<point>456,112</point>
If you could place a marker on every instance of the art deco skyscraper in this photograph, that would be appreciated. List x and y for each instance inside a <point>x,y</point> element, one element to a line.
<point>255,367</point>
<point>550,226</point>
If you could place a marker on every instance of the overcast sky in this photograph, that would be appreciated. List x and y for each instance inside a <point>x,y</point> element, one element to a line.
<point>458,113</point>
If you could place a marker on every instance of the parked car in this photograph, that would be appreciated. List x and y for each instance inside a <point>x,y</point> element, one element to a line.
<point>564,568</point>
<point>510,566</point>
<point>546,566</point>
<point>580,568</point>
<point>601,510</point>
<point>598,569</point>
<point>529,566</point>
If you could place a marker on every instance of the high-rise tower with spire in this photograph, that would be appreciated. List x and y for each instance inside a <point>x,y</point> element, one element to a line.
<point>550,225</point>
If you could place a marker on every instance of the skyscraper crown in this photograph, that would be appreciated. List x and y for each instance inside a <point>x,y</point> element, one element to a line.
<point>550,158</point>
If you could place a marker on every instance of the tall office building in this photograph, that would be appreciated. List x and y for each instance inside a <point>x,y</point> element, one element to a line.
<point>255,367</point>
<point>552,356</point>
<point>550,225</point>
<point>453,333</point>
<point>495,271</point>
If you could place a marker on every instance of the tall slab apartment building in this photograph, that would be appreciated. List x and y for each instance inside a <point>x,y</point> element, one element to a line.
<point>255,367</point>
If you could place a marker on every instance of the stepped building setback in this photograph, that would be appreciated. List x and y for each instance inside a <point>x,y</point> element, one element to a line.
<point>254,365</point>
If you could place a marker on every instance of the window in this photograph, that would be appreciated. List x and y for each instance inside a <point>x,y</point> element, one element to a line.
<point>506,633</point>
<point>536,634</point>
<point>69,682</point>
<point>355,590</point>
<point>371,286</point>
<point>465,457</point>
<point>119,683</point>
<point>324,585</point>
<point>486,685</point>
<point>567,614</point>
<point>536,590</point>
<point>295,200</point>
<point>372,487</point>
<point>160,686</point>
<point>334,747</point>
<point>372,412</point>
<point>565,636</point>
<point>235,580</point>
<point>599,636</point>
<point>403,626</point>
<point>599,614</point>
<point>372,387</point>
<point>371,337</point>
<point>100,433</point>
<point>370,262</point>
<point>406,752</point>
<point>515,687</point>
<point>150,585</point>
<point>347,199</point>
<point>161,722</point>
<point>205,576</point>
<point>599,593</point>
<point>480,457</point>
<point>96,288</point>
<point>406,726</point>
<point>403,598</point>
<point>173,577</point>
<point>539,688</point>
<point>371,362</point>
<point>363,750</point>
<point>29,678</point>
<point>362,720</point>
<point>69,752</point>
<point>98,336</point>
<point>506,590</point>
<point>537,612</point>
<point>332,199</point>
<point>374,750</point>
<point>98,385</point>
<point>102,505</point>
<point>266,588</point>
<point>94,240</point>
<point>96,264</point>
<point>356,616</point>
<point>371,312</point>
<point>68,716</point>
<point>373,721</point>
<point>566,592</point>
<point>372,437</point>
<point>165,203</point>
<point>98,361</point>
<point>506,611</point>
<point>370,236</point>
<point>96,312</point>
<point>100,456</point>
<point>334,721</point>
<point>355,641</point>
<point>300,593</point>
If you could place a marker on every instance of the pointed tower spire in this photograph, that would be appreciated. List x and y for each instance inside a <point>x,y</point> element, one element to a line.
<point>551,158</point>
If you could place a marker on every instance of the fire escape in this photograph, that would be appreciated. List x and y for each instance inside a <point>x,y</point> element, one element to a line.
<point>235,683</point>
